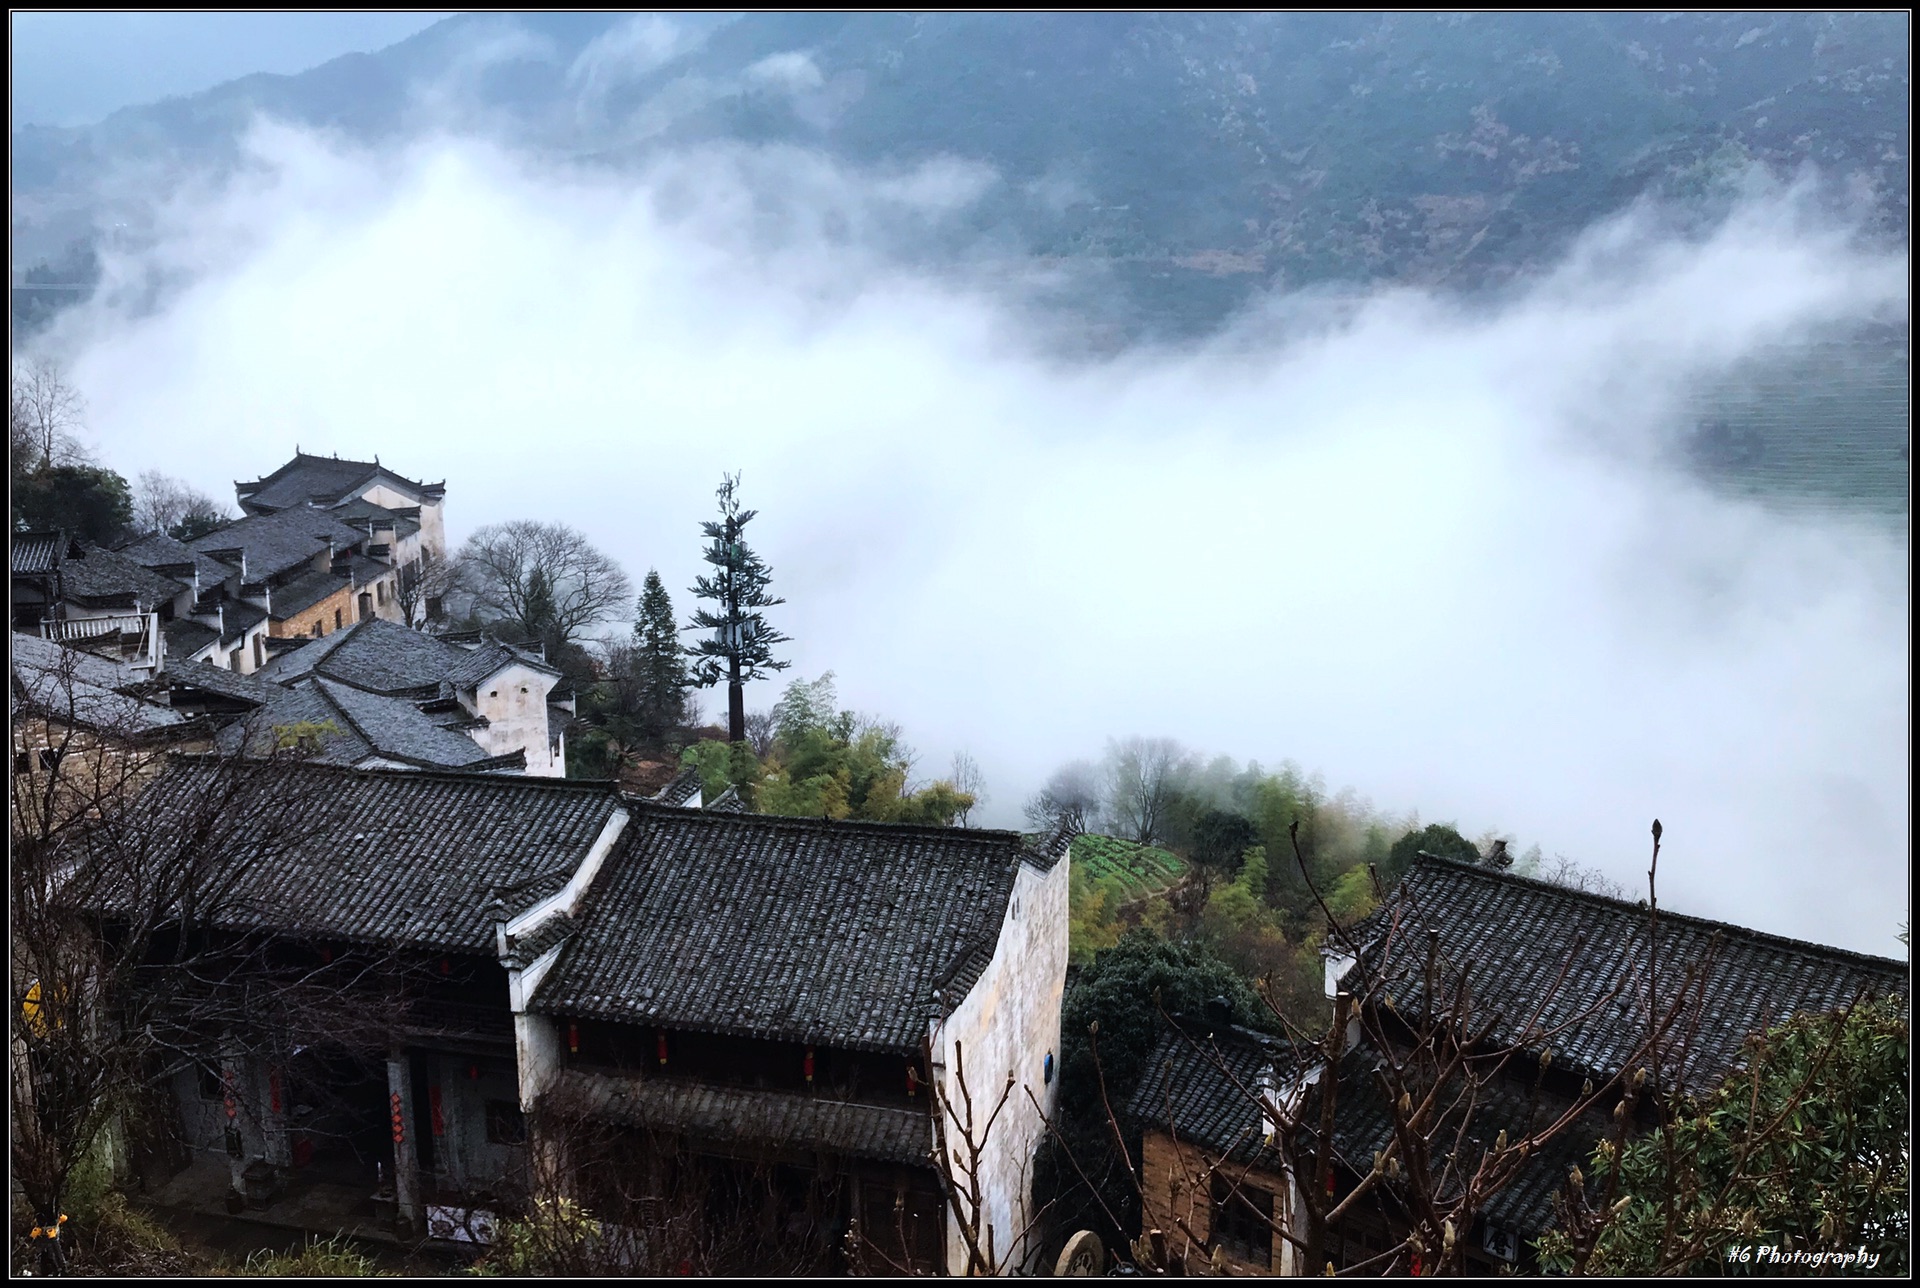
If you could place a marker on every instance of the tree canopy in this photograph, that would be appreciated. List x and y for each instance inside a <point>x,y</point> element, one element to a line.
<point>544,579</point>
<point>90,503</point>
<point>1803,1151</point>
<point>828,763</point>
<point>1435,838</point>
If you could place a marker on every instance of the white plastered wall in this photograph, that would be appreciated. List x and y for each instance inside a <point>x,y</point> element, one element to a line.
<point>1009,1023</point>
<point>514,701</point>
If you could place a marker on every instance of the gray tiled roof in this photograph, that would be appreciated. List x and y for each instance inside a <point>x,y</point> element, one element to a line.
<point>550,933</point>
<point>1519,932</point>
<point>727,802</point>
<point>489,658</point>
<point>81,689</point>
<point>369,726</point>
<point>38,553</point>
<point>366,571</point>
<point>237,617</point>
<point>303,704</point>
<point>1363,1126</point>
<point>217,679</point>
<point>682,790</point>
<point>386,657</point>
<point>277,543</point>
<point>399,730</point>
<point>1199,1079</point>
<point>321,480</point>
<point>790,929</point>
<point>101,575</point>
<point>359,510</point>
<point>185,637</point>
<point>303,592</point>
<point>764,1118</point>
<point>1200,1086</point>
<point>404,857</point>
<point>302,659</point>
<point>158,550</point>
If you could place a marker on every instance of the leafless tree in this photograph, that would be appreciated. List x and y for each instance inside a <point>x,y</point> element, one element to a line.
<point>1072,794</point>
<point>422,585</point>
<point>963,1145</point>
<point>44,415</point>
<point>1574,876</point>
<point>162,503</point>
<point>546,578</point>
<point>1428,1063</point>
<point>609,1196</point>
<point>762,732</point>
<point>1143,775</point>
<point>968,780</point>
<point>125,866</point>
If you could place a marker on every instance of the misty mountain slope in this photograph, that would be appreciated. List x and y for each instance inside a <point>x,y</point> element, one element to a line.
<point>1284,148</point>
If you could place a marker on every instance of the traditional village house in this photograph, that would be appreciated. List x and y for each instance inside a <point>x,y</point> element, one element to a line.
<point>67,701</point>
<point>1519,933</point>
<point>217,626</point>
<point>324,544</point>
<point>94,597</point>
<point>307,570</point>
<point>1212,1176</point>
<point>37,558</point>
<point>498,698</point>
<point>404,520</point>
<point>391,894</point>
<point>739,992</point>
<point>727,989</point>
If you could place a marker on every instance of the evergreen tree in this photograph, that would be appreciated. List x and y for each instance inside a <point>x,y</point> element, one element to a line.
<point>659,666</point>
<point>741,647</point>
<point>538,616</point>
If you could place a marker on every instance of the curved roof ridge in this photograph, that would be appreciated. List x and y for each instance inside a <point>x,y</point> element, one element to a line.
<point>1638,908</point>
<point>983,835</point>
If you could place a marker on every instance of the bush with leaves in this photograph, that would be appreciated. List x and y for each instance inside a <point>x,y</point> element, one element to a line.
<point>1805,1151</point>
<point>557,1237</point>
<point>1109,1022</point>
<point>827,763</point>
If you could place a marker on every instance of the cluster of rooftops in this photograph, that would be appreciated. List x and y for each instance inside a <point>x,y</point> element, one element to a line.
<point>289,617</point>
<point>310,531</point>
<point>374,694</point>
<point>849,934</point>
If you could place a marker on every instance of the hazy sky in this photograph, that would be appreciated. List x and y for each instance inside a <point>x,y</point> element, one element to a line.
<point>74,68</point>
<point>1431,552</point>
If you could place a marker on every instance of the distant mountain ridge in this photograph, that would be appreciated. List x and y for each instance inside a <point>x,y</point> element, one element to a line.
<point>1239,149</point>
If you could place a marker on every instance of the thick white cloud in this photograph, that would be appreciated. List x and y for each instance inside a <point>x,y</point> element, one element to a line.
<point>1429,550</point>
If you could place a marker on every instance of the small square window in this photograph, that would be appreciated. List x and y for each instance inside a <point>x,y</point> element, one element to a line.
<point>50,758</point>
<point>505,1125</point>
<point>336,619</point>
<point>209,1080</point>
<point>22,762</point>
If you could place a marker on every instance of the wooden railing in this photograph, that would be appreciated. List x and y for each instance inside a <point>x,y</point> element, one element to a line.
<point>139,632</point>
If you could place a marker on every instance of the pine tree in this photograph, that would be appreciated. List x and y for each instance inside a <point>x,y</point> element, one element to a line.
<point>537,618</point>
<point>659,666</point>
<point>741,648</point>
